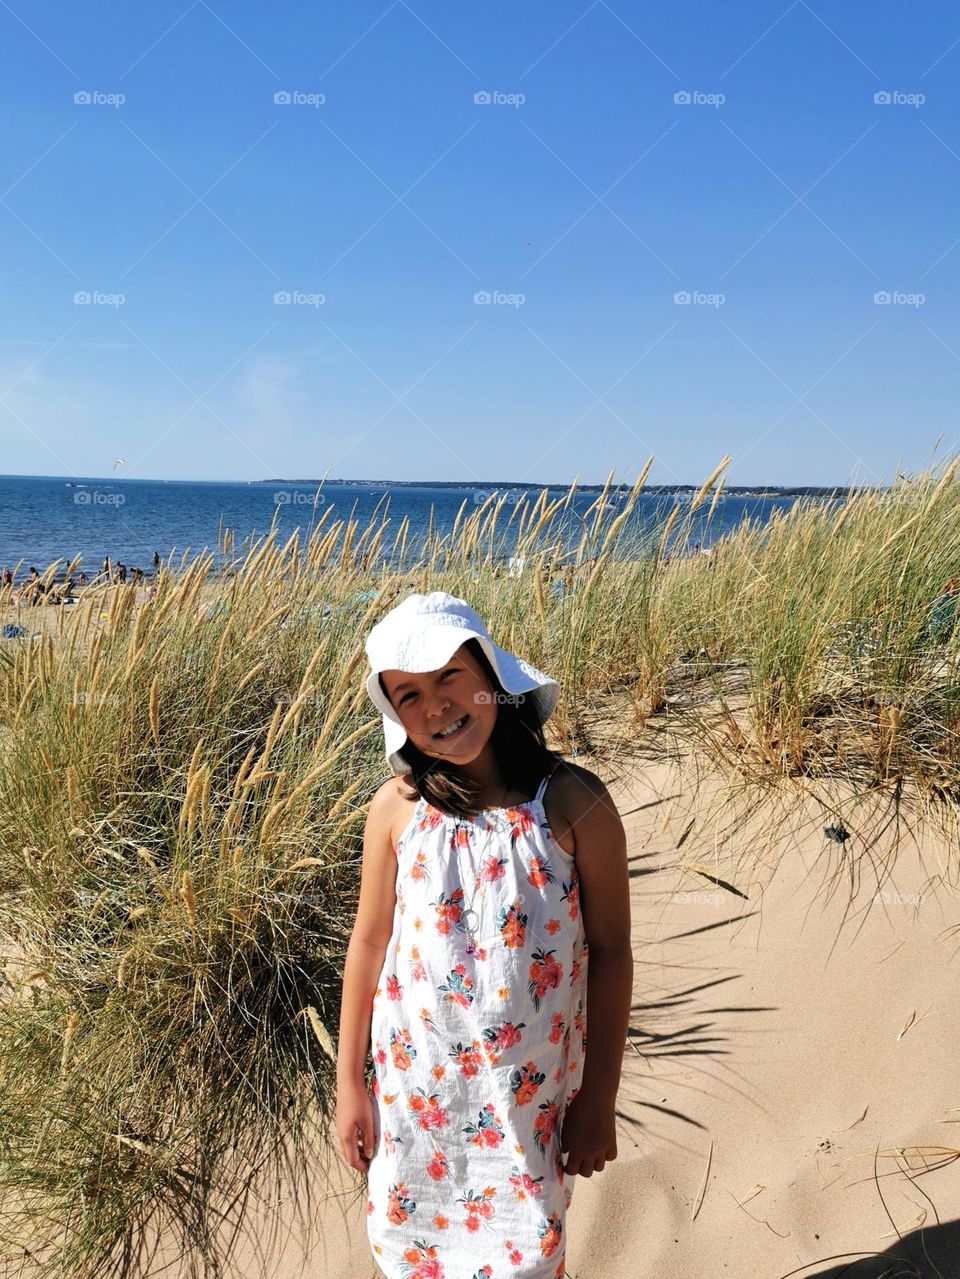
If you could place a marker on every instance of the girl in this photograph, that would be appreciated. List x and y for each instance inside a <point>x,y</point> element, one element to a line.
<point>488,882</point>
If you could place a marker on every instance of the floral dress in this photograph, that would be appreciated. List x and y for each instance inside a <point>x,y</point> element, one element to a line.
<point>478,1035</point>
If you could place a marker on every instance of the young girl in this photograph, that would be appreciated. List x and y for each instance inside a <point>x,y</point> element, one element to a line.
<point>492,873</point>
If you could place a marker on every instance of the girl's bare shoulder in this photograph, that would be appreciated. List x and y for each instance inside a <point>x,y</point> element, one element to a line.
<point>575,800</point>
<point>390,809</point>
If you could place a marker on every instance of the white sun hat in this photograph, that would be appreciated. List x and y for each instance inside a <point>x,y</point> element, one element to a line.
<point>422,633</point>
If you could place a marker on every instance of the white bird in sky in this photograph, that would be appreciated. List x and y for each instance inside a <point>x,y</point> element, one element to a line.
<point>118,462</point>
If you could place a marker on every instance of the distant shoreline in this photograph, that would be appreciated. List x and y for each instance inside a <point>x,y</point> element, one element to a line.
<point>657,490</point>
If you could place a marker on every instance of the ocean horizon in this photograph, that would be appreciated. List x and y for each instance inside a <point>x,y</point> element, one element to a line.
<point>48,518</point>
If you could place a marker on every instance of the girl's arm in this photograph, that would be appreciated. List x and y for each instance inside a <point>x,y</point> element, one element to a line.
<point>589,1129</point>
<point>372,930</point>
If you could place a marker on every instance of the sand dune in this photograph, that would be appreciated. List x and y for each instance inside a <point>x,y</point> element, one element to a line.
<point>779,1041</point>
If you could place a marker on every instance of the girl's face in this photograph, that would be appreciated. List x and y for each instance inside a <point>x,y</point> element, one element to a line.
<point>457,695</point>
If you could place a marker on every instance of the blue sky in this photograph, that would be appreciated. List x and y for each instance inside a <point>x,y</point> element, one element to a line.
<point>582,198</point>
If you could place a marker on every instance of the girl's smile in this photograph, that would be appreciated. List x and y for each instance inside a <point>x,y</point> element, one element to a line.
<point>453,730</point>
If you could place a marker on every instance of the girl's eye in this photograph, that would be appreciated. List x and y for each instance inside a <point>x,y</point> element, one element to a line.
<point>451,670</point>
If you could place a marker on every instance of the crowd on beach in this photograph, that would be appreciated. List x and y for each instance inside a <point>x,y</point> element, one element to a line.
<point>37,590</point>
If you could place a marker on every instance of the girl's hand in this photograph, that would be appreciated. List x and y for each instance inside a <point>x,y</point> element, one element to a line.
<point>588,1135</point>
<point>354,1125</point>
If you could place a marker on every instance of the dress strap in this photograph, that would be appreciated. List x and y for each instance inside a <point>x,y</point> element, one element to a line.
<point>543,785</point>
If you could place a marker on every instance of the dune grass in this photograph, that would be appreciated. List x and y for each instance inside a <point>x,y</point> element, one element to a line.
<point>185,783</point>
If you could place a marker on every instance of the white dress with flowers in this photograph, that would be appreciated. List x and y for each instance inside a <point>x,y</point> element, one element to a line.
<point>478,1036</point>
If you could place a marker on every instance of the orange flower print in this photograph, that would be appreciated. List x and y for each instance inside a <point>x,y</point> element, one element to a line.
<point>441,1222</point>
<point>540,873</point>
<point>394,989</point>
<point>468,1059</point>
<point>520,821</point>
<point>438,1167</point>
<point>525,1082</point>
<point>449,912</point>
<point>421,1261</point>
<point>552,926</point>
<point>417,970</point>
<point>549,1232</point>
<point>432,817</point>
<point>484,1272</point>
<point>399,1207</point>
<point>426,1020</point>
<point>492,868</point>
<point>389,1141</point>
<point>512,924</point>
<point>379,1055</point>
<point>545,1125</point>
<point>458,986</point>
<point>557,1027</point>
<point>488,1130</point>
<point>497,1038</point>
<point>369,1206</point>
<point>460,837</point>
<point>427,1108</point>
<point>418,868</point>
<point>402,1051</point>
<point>524,1186</point>
<point>477,1207</point>
<point>544,972</point>
<point>571,895</point>
<point>514,1255</point>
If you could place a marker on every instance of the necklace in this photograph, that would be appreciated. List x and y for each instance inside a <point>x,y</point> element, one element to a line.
<point>471,916</point>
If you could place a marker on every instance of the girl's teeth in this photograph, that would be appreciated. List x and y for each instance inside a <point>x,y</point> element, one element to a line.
<point>452,729</point>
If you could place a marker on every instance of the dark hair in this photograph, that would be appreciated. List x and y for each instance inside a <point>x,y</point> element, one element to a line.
<point>518,746</point>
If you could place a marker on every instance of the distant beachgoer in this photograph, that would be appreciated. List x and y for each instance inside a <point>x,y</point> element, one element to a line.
<point>137,574</point>
<point>7,577</point>
<point>156,559</point>
<point>81,579</point>
<point>106,566</point>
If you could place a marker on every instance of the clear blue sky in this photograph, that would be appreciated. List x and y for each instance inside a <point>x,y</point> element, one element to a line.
<point>597,198</point>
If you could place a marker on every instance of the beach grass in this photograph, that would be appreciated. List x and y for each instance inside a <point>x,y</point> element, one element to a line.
<point>185,784</point>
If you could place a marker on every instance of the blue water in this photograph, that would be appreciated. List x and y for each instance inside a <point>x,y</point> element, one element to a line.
<point>46,518</point>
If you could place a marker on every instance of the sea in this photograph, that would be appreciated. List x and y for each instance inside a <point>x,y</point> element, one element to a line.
<point>48,518</point>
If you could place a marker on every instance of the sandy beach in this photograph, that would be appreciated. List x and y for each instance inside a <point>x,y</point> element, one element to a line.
<point>788,1103</point>
<point>786,1040</point>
